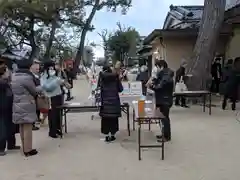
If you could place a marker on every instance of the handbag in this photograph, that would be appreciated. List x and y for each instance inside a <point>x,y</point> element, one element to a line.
<point>180,86</point>
<point>43,104</point>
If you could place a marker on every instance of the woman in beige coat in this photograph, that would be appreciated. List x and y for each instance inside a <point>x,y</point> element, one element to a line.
<point>24,104</point>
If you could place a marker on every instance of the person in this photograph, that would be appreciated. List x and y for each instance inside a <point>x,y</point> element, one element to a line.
<point>232,84</point>
<point>7,128</point>
<point>70,76</point>
<point>24,103</point>
<point>216,75</point>
<point>163,86</point>
<point>226,71</point>
<point>143,77</point>
<point>61,74</point>
<point>153,74</point>
<point>117,67</point>
<point>121,71</point>
<point>180,75</point>
<point>110,110</point>
<point>123,74</point>
<point>51,84</point>
<point>35,69</point>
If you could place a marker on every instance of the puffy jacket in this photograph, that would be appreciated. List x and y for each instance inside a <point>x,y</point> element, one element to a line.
<point>110,86</point>
<point>163,87</point>
<point>24,95</point>
<point>51,85</point>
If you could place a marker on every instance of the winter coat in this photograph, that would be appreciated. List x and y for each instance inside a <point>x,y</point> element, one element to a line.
<point>226,72</point>
<point>163,87</point>
<point>180,73</point>
<point>110,87</point>
<point>70,76</point>
<point>216,70</point>
<point>25,93</point>
<point>51,85</point>
<point>5,107</point>
<point>232,85</point>
<point>36,79</point>
<point>143,77</point>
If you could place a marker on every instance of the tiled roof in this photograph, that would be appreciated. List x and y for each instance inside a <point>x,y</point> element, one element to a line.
<point>231,3</point>
<point>187,12</point>
<point>189,16</point>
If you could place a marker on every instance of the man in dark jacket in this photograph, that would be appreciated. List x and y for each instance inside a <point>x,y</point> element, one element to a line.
<point>216,71</point>
<point>233,83</point>
<point>163,88</point>
<point>70,76</point>
<point>7,128</point>
<point>226,72</point>
<point>35,69</point>
<point>180,75</point>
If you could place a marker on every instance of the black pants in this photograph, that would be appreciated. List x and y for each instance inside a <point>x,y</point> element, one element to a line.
<point>54,116</point>
<point>166,122</point>
<point>215,84</point>
<point>181,99</point>
<point>109,125</point>
<point>69,94</point>
<point>38,115</point>
<point>144,89</point>
<point>9,143</point>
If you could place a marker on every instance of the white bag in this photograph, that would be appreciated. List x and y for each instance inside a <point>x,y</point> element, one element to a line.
<point>180,86</point>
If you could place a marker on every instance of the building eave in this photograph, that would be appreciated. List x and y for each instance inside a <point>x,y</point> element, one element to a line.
<point>161,33</point>
<point>144,49</point>
<point>232,13</point>
<point>175,33</point>
<point>155,33</point>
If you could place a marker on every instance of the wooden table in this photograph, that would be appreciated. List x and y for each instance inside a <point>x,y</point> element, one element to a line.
<point>203,94</point>
<point>151,116</point>
<point>69,108</point>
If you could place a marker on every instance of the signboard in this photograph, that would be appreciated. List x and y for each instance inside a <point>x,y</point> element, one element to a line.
<point>136,88</point>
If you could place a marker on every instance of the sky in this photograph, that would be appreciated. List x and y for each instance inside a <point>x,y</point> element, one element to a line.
<point>144,16</point>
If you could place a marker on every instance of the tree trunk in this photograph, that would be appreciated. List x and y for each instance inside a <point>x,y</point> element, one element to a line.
<point>79,55</point>
<point>200,64</point>
<point>32,39</point>
<point>50,41</point>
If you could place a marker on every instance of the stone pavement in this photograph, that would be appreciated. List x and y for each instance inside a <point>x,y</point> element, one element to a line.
<point>203,148</point>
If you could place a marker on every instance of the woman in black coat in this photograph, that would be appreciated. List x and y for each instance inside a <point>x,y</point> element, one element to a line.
<point>110,86</point>
<point>7,128</point>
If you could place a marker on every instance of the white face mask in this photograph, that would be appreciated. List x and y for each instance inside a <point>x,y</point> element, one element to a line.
<point>51,72</point>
